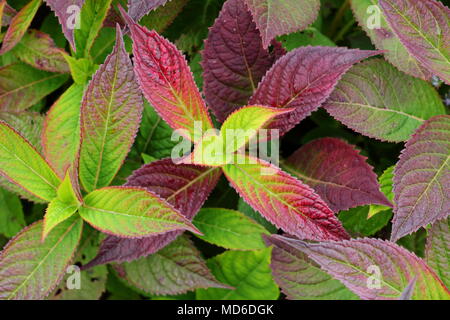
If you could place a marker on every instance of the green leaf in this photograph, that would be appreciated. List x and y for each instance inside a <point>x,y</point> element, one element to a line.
<point>19,25</point>
<point>177,268</point>
<point>41,265</point>
<point>246,271</point>
<point>62,129</point>
<point>438,244</point>
<point>92,15</point>
<point>163,16</point>
<point>229,229</point>
<point>357,222</point>
<point>130,212</point>
<point>22,86</point>
<point>246,209</point>
<point>81,69</point>
<point>27,124</point>
<point>385,181</point>
<point>309,37</point>
<point>110,117</point>
<point>23,165</point>
<point>11,214</point>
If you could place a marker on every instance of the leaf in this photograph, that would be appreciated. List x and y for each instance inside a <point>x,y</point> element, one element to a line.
<point>22,86</point>
<point>229,229</point>
<point>302,279</point>
<point>92,282</point>
<point>161,18</point>
<point>11,214</point>
<point>436,253</point>
<point>309,37</point>
<point>408,291</point>
<point>130,212</point>
<point>186,187</point>
<point>81,69</point>
<point>110,117</point>
<point>303,79</point>
<point>422,178</point>
<point>176,269</point>
<point>247,271</point>
<point>42,264</point>
<point>385,181</point>
<point>63,207</point>
<point>358,223</point>
<point>375,99</point>
<point>233,60</point>
<point>422,27</point>
<point>337,172</point>
<point>68,12</point>
<point>155,136</point>
<point>367,13</point>
<point>285,201</point>
<point>62,129</point>
<point>139,8</point>
<point>92,16</point>
<point>23,165</point>
<point>256,216</point>
<point>238,129</point>
<point>277,17</point>
<point>27,124</point>
<point>19,25</point>
<point>39,50</point>
<point>373,268</point>
<point>167,82</point>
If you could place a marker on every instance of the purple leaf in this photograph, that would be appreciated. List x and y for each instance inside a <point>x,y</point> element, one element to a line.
<point>277,17</point>
<point>66,11</point>
<point>422,178</point>
<point>234,60</point>
<point>372,268</point>
<point>423,28</point>
<point>338,173</point>
<point>186,187</point>
<point>303,79</point>
<point>409,290</point>
<point>139,8</point>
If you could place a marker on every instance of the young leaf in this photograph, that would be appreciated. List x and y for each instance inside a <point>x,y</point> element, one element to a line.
<point>81,69</point>
<point>68,13</point>
<point>176,269</point>
<point>39,50</point>
<point>22,86</point>
<point>302,279</point>
<point>186,187</point>
<point>139,8</point>
<point>366,13</point>
<point>42,264</point>
<point>167,81</point>
<point>131,213</point>
<point>62,130</point>
<point>238,129</point>
<point>23,165</point>
<point>373,268</point>
<point>234,60</point>
<point>92,16</point>
<point>338,173</point>
<point>11,214</point>
<point>285,201</point>
<point>303,79</point>
<point>248,272</point>
<point>64,206</point>
<point>276,17</point>
<point>229,229</point>
<point>19,25</point>
<point>422,26</point>
<point>422,178</point>
<point>375,99</point>
<point>436,253</point>
<point>110,116</point>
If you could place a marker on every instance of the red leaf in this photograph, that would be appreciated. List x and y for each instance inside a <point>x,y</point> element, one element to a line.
<point>166,80</point>
<point>186,187</point>
<point>284,201</point>
<point>338,173</point>
<point>303,79</point>
<point>234,60</point>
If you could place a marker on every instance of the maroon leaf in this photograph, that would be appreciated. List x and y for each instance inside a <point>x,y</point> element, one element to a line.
<point>373,268</point>
<point>186,187</point>
<point>139,8</point>
<point>234,60</point>
<point>338,173</point>
<point>303,79</point>
<point>66,11</point>
<point>422,178</point>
